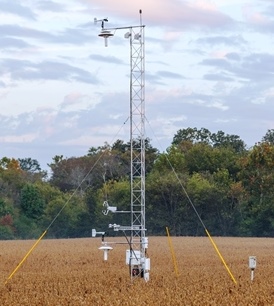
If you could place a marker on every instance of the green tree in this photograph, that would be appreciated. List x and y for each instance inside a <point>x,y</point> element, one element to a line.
<point>231,196</point>
<point>63,214</point>
<point>74,173</point>
<point>27,228</point>
<point>29,165</point>
<point>6,233</point>
<point>257,176</point>
<point>31,170</point>
<point>219,139</point>
<point>11,180</point>
<point>166,203</point>
<point>5,209</point>
<point>193,135</point>
<point>269,137</point>
<point>202,157</point>
<point>205,197</point>
<point>174,158</point>
<point>258,171</point>
<point>6,221</point>
<point>32,203</point>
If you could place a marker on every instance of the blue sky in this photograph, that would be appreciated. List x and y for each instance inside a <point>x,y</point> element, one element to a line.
<point>208,64</point>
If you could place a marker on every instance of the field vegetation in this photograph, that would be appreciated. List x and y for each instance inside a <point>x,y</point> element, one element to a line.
<point>72,272</point>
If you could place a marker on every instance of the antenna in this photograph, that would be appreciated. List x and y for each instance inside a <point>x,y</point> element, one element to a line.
<point>136,255</point>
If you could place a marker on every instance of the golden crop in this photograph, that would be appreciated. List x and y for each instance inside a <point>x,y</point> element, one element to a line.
<point>72,272</point>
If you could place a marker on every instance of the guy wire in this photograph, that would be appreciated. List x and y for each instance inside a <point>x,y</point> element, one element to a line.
<point>88,173</point>
<point>195,210</point>
<point>62,208</point>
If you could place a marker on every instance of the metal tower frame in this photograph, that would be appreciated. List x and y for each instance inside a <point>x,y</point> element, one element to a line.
<point>136,256</point>
<point>137,140</point>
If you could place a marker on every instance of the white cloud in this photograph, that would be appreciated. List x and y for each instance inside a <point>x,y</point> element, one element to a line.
<point>25,138</point>
<point>62,91</point>
<point>218,105</point>
<point>77,101</point>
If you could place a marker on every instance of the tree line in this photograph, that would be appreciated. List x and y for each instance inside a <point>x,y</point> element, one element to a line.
<point>213,175</point>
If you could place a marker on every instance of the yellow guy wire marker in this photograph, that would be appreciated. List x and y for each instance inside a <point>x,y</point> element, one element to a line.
<point>54,219</point>
<point>221,257</point>
<point>172,252</point>
<point>26,256</point>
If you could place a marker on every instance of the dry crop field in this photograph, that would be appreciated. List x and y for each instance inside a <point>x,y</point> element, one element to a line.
<point>72,272</point>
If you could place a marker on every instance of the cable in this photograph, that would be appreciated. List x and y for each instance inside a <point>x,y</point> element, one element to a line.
<point>85,177</point>
<point>179,181</point>
<point>195,210</point>
<point>60,211</point>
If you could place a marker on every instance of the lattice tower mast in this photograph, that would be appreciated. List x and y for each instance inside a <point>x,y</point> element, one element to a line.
<point>136,256</point>
<point>137,140</point>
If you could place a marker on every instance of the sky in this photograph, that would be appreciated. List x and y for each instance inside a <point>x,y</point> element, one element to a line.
<point>208,64</point>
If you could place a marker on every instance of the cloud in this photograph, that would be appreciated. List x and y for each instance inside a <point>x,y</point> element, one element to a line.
<point>233,56</point>
<point>15,7</point>
<point>7,43</point>
<point>77,101</point>
<point>24,138</point>
<point>67,125</point>
<point>220,76</point>
<point>217,104</point>
<point>8,30</point>
<point>216,62</point>
<point>106,59</point>
<point>48,5</point>
<point>162,77</point>
<point>2,85</point>
<point>45,70</point>
<point>168,74</point>
<point>74,36</point>
<point>226,112</point>
<point>261,21</point>
<point>167,13</point>
<point>253,66</point>
<point>235,40</point>
<point>206,66</point>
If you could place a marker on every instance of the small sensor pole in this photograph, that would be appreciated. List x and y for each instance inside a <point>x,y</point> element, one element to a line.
<point>252,265</point>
